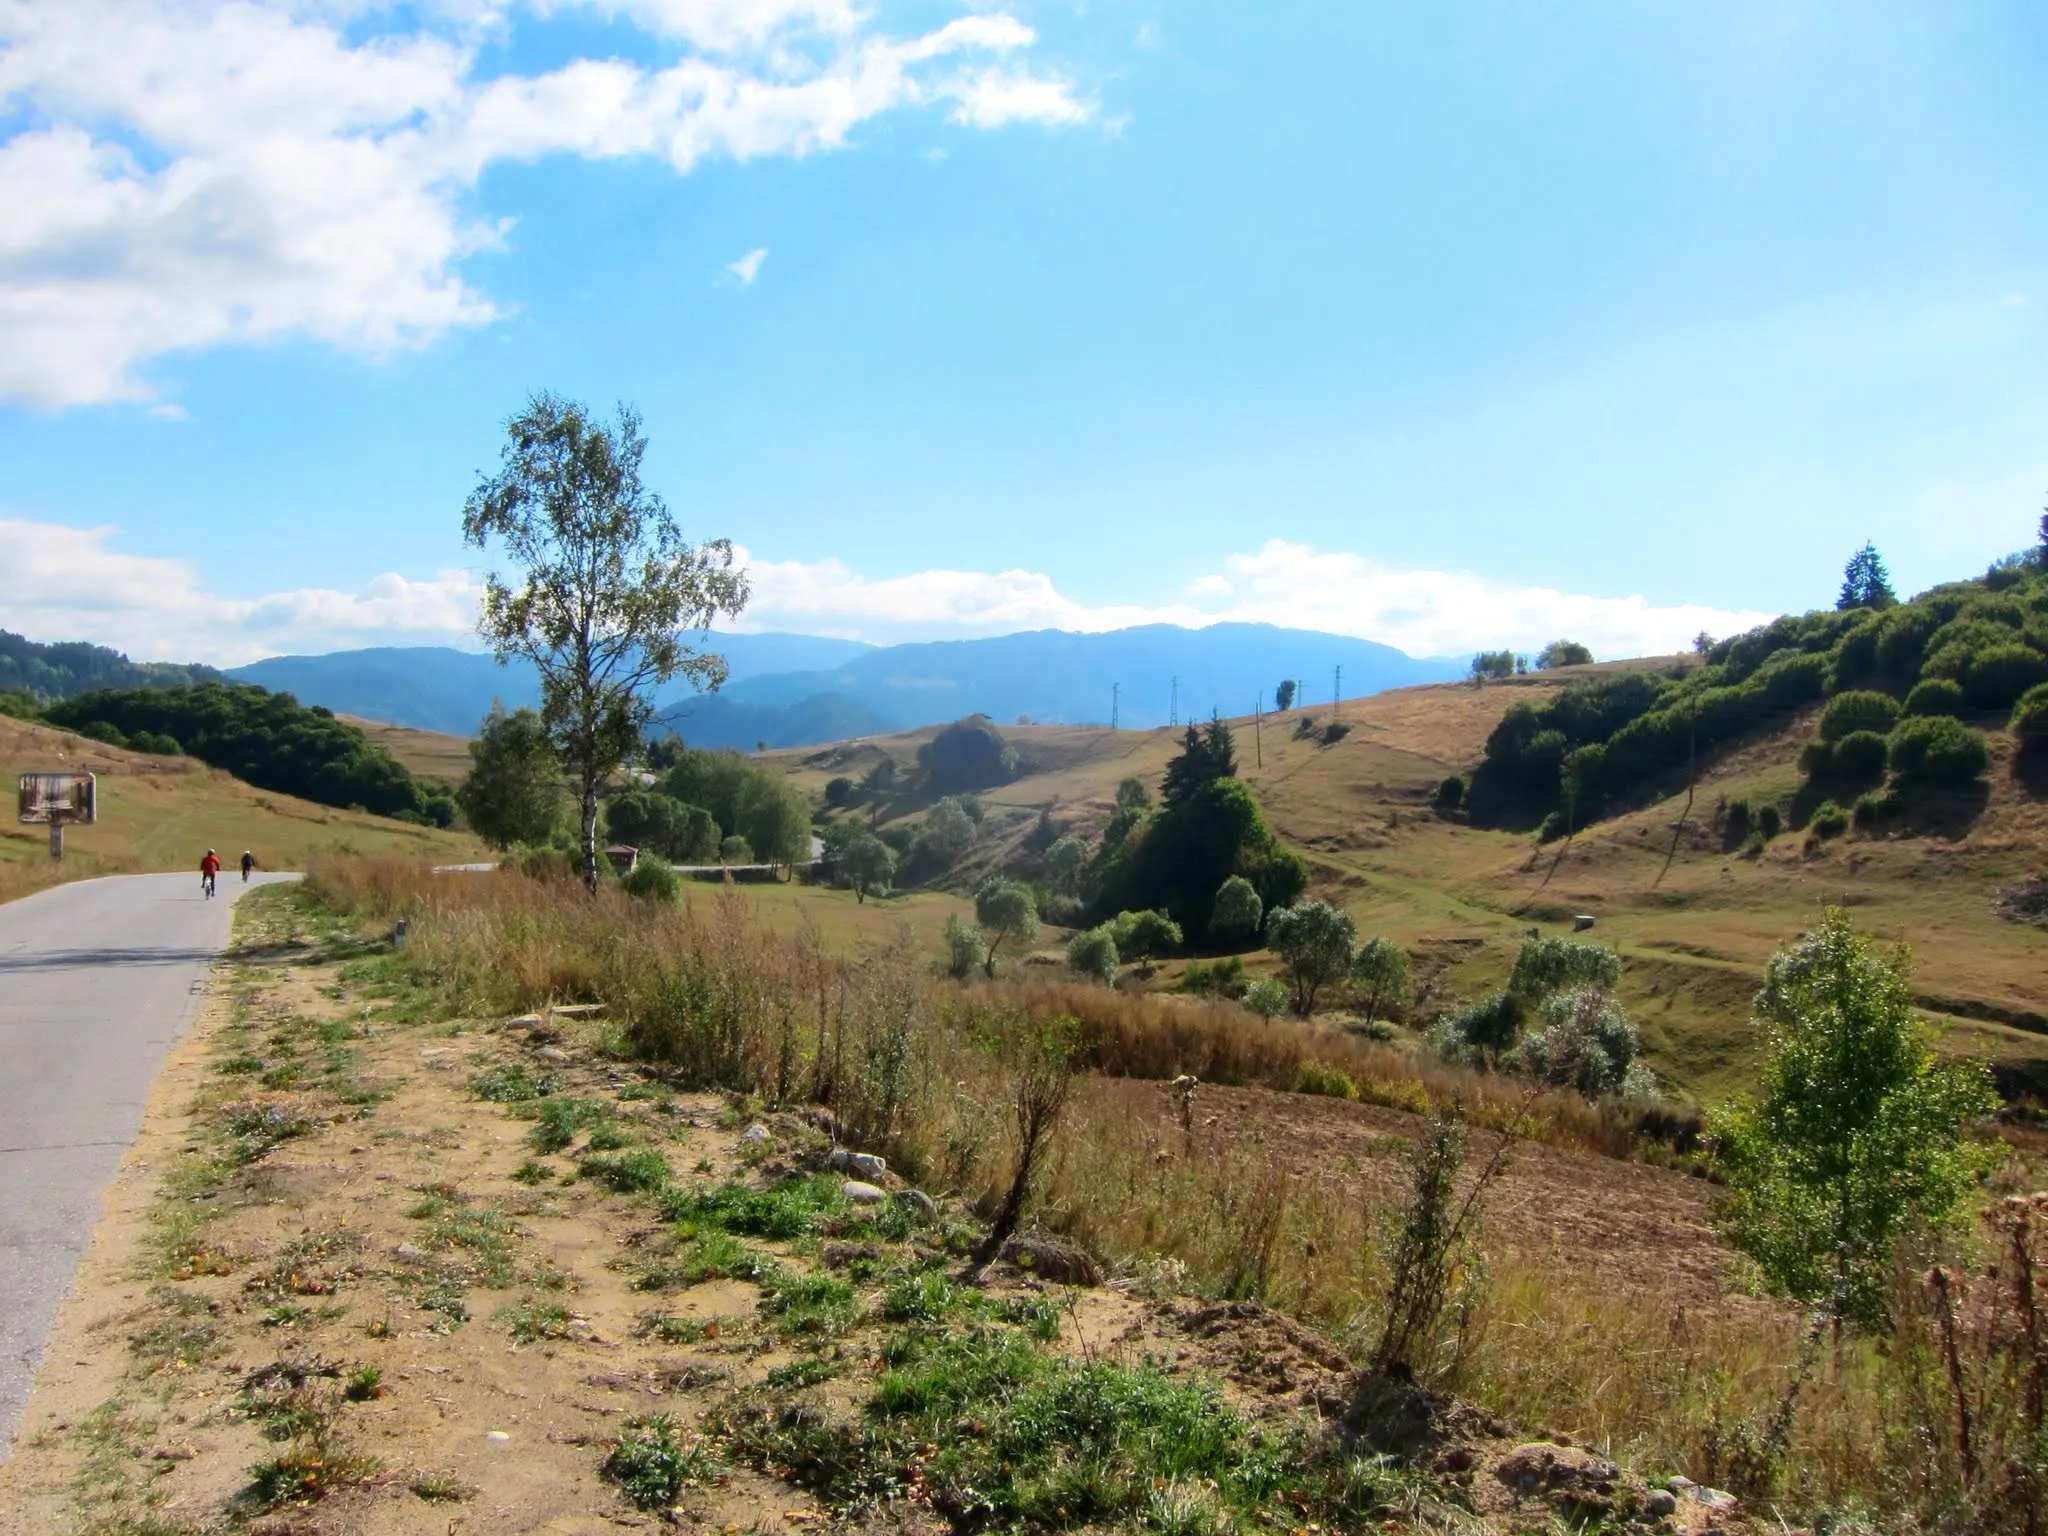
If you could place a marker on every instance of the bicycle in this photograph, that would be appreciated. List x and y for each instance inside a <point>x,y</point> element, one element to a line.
<point>206,884</point>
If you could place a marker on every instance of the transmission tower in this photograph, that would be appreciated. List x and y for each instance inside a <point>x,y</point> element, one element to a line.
<point>1173,713</point>
<point>1337,693</point>
<point>1115,689</point>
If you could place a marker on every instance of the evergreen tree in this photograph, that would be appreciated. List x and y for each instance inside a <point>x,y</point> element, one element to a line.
<point>1865,583</point>
<point>1207,753</point>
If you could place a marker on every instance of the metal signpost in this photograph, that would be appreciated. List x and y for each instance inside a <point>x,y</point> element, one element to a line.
<point>57,800</point>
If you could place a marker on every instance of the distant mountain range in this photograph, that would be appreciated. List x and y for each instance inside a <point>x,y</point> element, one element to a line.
<point>792,690</point>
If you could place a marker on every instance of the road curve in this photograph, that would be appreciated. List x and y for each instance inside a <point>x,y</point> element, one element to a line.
<point>97,979</point>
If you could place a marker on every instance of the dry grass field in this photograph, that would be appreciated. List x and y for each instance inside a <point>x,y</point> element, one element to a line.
<point>431,755</point>
<point>162,813</point>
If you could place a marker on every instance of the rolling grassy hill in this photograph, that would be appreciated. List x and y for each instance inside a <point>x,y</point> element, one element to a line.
<point>1694,920</point>
<point>162,813</point>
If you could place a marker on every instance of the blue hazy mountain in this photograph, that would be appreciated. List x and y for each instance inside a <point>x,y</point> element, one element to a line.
<point>437,688</point>
<point>792,690</point>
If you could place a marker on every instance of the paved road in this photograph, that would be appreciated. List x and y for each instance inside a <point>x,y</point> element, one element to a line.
<point>96,980</point>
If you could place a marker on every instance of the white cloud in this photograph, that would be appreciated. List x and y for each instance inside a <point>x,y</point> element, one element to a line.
<point>62,583</point>
<point>193,173</point>
<point>748,267</point>
<point>1425,613</point>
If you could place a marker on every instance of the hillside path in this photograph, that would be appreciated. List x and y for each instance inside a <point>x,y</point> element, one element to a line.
<point>97,978</point>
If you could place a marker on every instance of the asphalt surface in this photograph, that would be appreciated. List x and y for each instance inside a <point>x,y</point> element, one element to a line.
<point>96,980</point>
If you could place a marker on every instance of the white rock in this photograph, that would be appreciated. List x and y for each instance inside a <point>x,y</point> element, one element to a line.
<point>863,1194</point>
<point>755,1132</point>
<point>496,1434</point>
<point>866,1164</point>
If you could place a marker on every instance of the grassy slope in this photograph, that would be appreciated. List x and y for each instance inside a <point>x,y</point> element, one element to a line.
<point>1696,931</point>
<point>431,755</point>
<point>162,813</point>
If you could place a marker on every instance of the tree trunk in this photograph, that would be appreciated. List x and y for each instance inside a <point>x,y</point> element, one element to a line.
<point>590,830</point>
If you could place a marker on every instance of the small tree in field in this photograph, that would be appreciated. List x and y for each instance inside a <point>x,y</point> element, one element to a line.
<point>1315,940</point>
<point>604,590</point>
<point>1283,696</point>
<point>1005,910</point>
<point>1092,953</point>
<point>514,792</point>
<point>1563,653</point>
<point>1064,862</point>
<point>866,863</point>
<point>1858,1128</point>
<point>1380,974</point>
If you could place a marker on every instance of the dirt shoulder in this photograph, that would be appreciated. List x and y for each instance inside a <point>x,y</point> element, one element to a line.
<point>368,1270</point>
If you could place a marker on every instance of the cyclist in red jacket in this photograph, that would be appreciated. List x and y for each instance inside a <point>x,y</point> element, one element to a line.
<point>208,868</point>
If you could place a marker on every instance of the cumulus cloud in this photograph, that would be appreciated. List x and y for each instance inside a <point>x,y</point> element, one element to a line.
<point>63,583</point>
<point>748,267</point>
<point>192,173</point>
<point>1425,613</point>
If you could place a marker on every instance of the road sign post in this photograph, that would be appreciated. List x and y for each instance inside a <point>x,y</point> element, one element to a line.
<point>58,800</point>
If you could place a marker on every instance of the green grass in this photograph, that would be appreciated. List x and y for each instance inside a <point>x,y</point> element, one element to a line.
<point>637,1172</point>
<point>811,1306</point>
<point>561,1120</point>
<point>656,1459</point>
<point>791,1210</point>
<point>536,1321</point>
<point>512,1084</point>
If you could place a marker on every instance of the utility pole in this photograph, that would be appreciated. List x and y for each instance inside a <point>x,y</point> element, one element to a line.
<point>1337,693</point>
<point>1258,736</point>
<point>1115,689</point>
<point>1173,714</point>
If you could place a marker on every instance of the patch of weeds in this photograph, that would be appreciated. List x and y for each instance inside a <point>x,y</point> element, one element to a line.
<point>532,1172</point>
<point>609,1136</point>
<point>924,1296</point>
<point>790,1210</point>
<point>560,1121</point>
<point>481,1234</point>
<point>314,1467</point>
<point>1038,1316</point>
<point>445,1299</point>
<point>364,1384</point>
<point>440,1490</point>
<point>512,1083</point>
<point>185,1338</point>
<point>549,1278</point>
<point>805,1373</point>
<point>634,1172</point>
<point>670,1329</point>
<point>710,1256</point>
<point>240,1066</point>
<point>182,1251</point>
<point>256,1127</point>
<point>815,1305</point>
<point>656,1459</point>
<point>535,1321</point>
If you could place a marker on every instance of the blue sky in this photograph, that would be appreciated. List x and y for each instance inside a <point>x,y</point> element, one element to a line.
<point>1448,326</point>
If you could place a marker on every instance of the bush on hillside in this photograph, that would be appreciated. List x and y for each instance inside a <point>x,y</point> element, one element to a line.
<point>1143,935</point>
<point>968,754</point>
<point>1235,915</point>
<point>940,841</point>
<point>652,879</point>
<point>1935,696</point>
<point>1938,750</point>
<point>2030,715</point>
<point>266,739</point>
<point>1858,710</point>
<point>1265,997</point>
<point>1770,821</point>
<point>1998,676</point>
<point>1875,808</point>
<point>1093,953</point>
<point>1859,758</point>
<point>650,819</point>
<point>1828,820</point>
<point>1587,1043</point>
<point>1451,793</point>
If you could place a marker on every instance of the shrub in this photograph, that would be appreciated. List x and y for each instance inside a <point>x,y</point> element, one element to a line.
<point>1857,710</point>
<point>1218,978</point>
<point>1860,757</point>
<point>839,792</point>
<point>1938,750</point>
<point>968,754</point>
<point>1143,935</point>
<point>1935,696</point>
<point>1553,828</point>
<point>734,850</point>
<point>1335,732</point>
<point>1481,1032</point>
<point>1770,821</point>
<point>1451,793</point>
<point>965,951</point>
<point>1587,1042</point>
<point>1380,976</point>
<point>1737,820</point>
<point>1237,911</point>
<point>1325,1081</point>
<point>652,880</point>
<point>1875,807</point>
<point>1998,676</point>
<point>2030,714</point>
<point>1093,954</point>
<point>1828,820</point>
<point>1544,966</point>
<point>1265,997</point>
<point>1816,759</point>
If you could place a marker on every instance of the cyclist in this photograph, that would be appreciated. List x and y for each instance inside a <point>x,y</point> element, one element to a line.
<point>208,868</point>
<point>248,863</point>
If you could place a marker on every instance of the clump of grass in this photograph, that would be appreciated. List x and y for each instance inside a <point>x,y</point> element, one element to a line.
<point>536,1321</point>
<point>791,1210</point>
<point>656,1459</point>
<point>1330,1082</point>
<point>637,1172</point>
<point>708,1256</point>
<point>481,1235</point>
<point>670,1329</point>
<point>533,1172</point>
<point>316,1465</point>
<point>813,1305</point>
<point>512,1083</point>
<point>805,1373</point>
<point>437,1489</point>
<point>364,1385</point>
<point>608,1136</point>
<point>561,1120</point>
